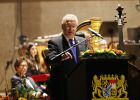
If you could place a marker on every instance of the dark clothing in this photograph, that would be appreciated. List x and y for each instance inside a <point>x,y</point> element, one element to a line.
<point>31,72</point>
<point>60,44</point>
<point>61,68</point>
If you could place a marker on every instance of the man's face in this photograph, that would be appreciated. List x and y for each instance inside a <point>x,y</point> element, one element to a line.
<point>103,44</point>
<point>69,28</point>
<point>22,69</point>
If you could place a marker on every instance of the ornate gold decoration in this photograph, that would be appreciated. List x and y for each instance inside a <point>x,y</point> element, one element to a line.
<point>109,87</point>
<point>95,25</point>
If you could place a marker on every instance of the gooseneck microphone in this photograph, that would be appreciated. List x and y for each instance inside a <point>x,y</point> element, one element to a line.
<point>95,33</point>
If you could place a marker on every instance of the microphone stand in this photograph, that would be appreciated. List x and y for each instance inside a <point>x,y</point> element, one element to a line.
<point>72,47</point>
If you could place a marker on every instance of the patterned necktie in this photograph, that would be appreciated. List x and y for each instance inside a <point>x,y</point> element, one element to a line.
<point>73,49</point>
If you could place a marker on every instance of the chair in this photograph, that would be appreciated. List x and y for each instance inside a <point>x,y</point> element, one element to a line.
<point>44,54</point>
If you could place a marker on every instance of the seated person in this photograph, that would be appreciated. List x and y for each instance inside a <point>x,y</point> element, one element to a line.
<point>113,45</point>
<point>21,68</point>
<point>33,60</point>
<point>85,34</point>
<point>35,67</point>
<point>103,44</point>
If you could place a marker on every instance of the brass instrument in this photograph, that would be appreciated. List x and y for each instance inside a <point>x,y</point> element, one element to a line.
<point>94,23</point>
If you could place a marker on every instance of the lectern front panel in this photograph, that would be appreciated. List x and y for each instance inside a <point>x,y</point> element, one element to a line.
<point>93,79</point>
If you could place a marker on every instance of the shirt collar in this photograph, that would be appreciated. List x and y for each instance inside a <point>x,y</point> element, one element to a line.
<point>68,39</point>
<point>21,76</point>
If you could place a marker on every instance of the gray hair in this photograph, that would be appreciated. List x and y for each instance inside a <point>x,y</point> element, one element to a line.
<point>69,16</point>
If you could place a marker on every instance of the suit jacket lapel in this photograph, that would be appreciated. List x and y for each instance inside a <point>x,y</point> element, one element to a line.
<point>77,50</point>
<point>64,43</point>
<point>29,84</point>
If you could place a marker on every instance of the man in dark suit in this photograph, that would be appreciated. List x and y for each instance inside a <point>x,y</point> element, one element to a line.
<point>21,68</point>
<point>66,62</point>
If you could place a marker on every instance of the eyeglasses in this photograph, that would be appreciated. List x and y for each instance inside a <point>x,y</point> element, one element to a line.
<point>69,26</point>
<point>24,66</point>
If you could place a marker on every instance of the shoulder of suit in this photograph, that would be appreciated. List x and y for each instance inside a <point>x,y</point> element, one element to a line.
<point>79,38</point>
<point>15,78</point>
<point>58,38</point>
<point>29,77</point>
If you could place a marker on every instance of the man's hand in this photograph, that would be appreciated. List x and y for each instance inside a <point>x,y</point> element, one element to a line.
<point>45,95</point>
<point>43,87</point>
<point>66,56</point>
<point>38,94</point>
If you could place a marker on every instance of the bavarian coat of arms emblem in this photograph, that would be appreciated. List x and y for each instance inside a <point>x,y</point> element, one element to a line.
<point>109,87</point>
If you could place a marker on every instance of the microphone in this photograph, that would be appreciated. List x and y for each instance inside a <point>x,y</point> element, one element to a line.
<point>94,32</point>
